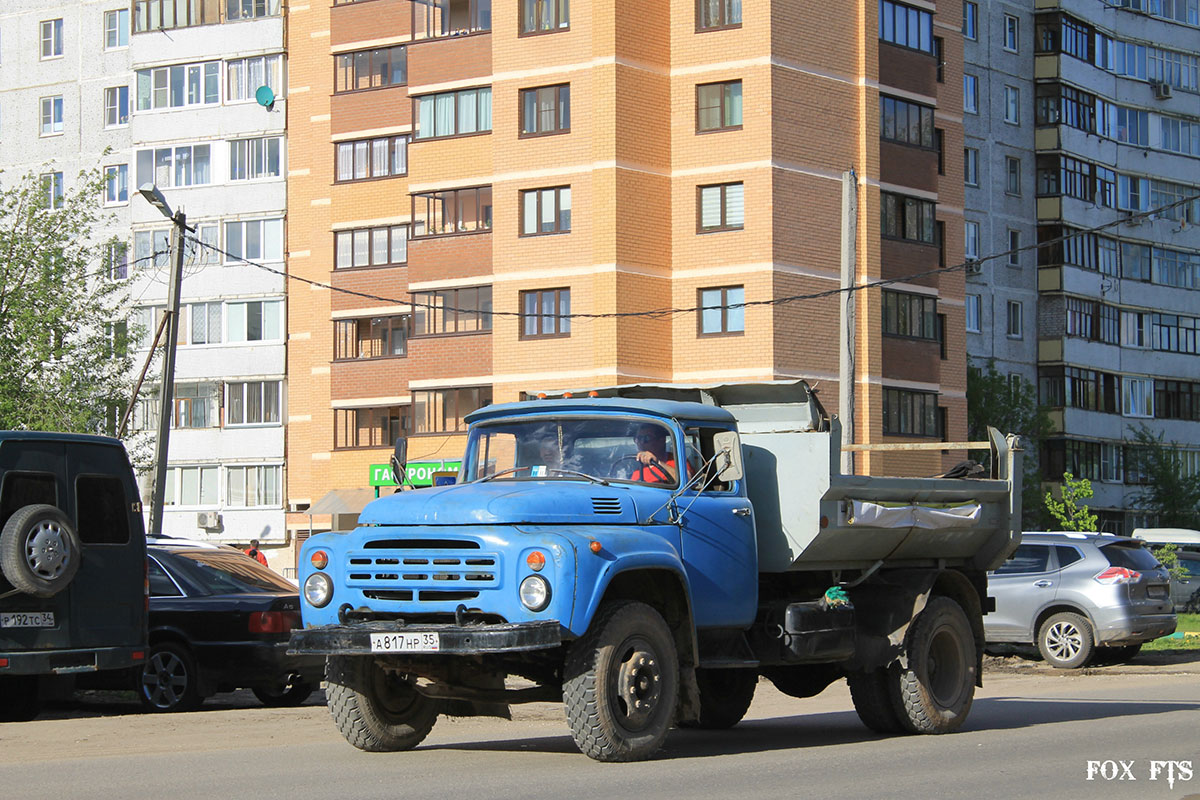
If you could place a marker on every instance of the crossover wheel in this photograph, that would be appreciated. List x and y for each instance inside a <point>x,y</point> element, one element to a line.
<point>1065,640</point>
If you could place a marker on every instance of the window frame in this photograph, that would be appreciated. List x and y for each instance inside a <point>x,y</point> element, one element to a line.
<point>1014,247</point>
<point>925,122</point>
<point>117,107</point>
<point>390,230</point>
<point>971,166</point>
<point>55,39</point>
<point>116,28</point>
<point>112,171</point>
<point>352,63</point>
<point>57,115</point>
<point>485,397</point>
<point>925,306</point>
<point>970,26</point>
<point>722,107</point>
<point>926,212</point>
<point>972,95</point>
<point>1012,103</point>
<point>343,427</point>
<point>249,159</point>
<point>1014,327</point>
<point>348,332</point>
<point>1012,176</point>
<point>724,224</point>
<point>246,390</point>
<point>558,211</point>
<point>725,6</point>
<point>973,302</point>
<point>560,319</point>
<point>204,75</point>
<point>559,113</point>
<point>427,313</point>
<point>929,406</point>
<point>484,209</point>
<point>724,306</point>
<point>54,188</point>
<point>394,143</point>
<point>557,5</point>
<point>454,93</point>
<point>1012,25</point>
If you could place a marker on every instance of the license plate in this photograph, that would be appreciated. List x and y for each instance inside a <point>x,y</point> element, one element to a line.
<point>27,619</point>
<point>1156,591</point>
<point>405,642</point>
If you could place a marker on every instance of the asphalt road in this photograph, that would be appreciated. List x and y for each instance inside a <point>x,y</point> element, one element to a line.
<point>1032,733</point>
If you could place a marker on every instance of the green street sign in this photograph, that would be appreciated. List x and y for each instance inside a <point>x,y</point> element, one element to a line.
<point>419,473</point>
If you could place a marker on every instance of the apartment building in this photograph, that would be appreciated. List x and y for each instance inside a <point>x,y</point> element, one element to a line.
<point>1116,140</point>
<point>479,188</point>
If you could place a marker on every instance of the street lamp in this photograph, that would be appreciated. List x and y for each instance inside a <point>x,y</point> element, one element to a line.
<point>167,394</point>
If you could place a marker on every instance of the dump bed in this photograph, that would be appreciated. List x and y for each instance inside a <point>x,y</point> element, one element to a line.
<point>808,516</point>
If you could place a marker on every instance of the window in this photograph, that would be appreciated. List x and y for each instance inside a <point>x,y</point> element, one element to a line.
<point>244,76</point>
<point>970,27</point>
<point>905,26</point>
<point>722,310</point>
<point>106,520</point>
<point>370,69</point>
<point>911,315</point>
<point>545,312</point>
<point>1177,400</point>
<point>370,427</point>
<point>1026,559</point>
<point>939,54</point>
<point>371,337</point>
<point>183,165</point>
<point>971,166</point>
<point>905,122</point>
<point>52,38</point>
<point>252,403</point>
<point>722,207</point>
<point>908,218</point>
<point>546,211</point>
<point>116,261</point>
<point>451,18</point>
<point>190,486</point>
<point>52,189</point>
<point>1014,248</point>
<point>151,248</point>
<point>1174,333</point>
<point>205,327</point>
<point>448,311</point>
<point>1015,320</point>
<point>971,240</point>
<point>253,159</point>
<point>153,15</point>
<point>1175,268</point>
<point>1135,329</point>
<point>1179,136</point>
<point>908,413</point>
<point>1137,397</point>
<point>259,239</point>
<point>719,106</point>
<point>973,313</point>
<point>116,184</point>
<point>1013,175</point>
<point>116,28</point>
<point>458,113</point>
<point>1133,126</point>
<point>443,410</point>
<point>371,247</point>
<point>52,115</point>
<point>452,211</point>
<point>372,158</point>
<point>1012,105</point>
<point>116,106</point>
<point>195,405</point>
<point>970,94</point>
<point>179,86</point>
<point>546,110</point>
<point>1011,33</point>
<point>253,487</point>
<point>545,16</point>
<point>712,14</point>
<point>255,321</point>
<point>250,9</point>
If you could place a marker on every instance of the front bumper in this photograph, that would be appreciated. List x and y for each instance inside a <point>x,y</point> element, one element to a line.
<point>355,639</point>
<point>1132,630</point>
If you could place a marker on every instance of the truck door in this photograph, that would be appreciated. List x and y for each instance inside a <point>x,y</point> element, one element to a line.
<point>719,545</point>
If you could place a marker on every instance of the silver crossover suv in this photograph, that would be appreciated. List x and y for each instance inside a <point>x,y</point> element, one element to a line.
<point>1078,596</point>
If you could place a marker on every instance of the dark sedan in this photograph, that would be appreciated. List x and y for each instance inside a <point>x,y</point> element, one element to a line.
<point>220,621</point>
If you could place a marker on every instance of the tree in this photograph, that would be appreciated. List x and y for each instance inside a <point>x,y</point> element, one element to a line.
<point>64,360</point>
<point>992,400</point>
<point>1172,495</point>
<point>1072,515</point>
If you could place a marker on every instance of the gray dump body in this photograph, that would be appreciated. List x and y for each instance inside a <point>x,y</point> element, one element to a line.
<point>792,454</point>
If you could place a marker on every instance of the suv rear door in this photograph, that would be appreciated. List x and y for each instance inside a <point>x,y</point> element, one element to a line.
<point>1150,594</point>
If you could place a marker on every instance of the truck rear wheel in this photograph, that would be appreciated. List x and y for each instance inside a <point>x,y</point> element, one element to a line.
<point>621,683</point>
<point>376,711</point>
<point>873,693</point>
<point>938,687</point>
<point>725,697</point>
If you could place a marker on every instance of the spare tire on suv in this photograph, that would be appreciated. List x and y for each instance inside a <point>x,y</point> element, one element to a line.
<point>39,550</point>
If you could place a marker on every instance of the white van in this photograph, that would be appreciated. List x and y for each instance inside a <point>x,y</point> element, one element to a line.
<point>1182,537</point>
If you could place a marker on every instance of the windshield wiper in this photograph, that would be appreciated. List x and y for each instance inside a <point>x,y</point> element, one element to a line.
<point>591,478</point>
<point>508,471</point>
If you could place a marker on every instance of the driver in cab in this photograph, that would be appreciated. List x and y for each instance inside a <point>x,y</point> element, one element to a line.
<point>657,465</point>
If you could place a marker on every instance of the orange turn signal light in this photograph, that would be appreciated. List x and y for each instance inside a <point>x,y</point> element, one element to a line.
<point>567,395</point>
<point>593,393</point>
<point>319,559</point>
<point>595,546</point>
<point>541,395</point>
<point>535,560</point>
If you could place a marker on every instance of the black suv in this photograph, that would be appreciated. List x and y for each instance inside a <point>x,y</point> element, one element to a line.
<point>73,555</point>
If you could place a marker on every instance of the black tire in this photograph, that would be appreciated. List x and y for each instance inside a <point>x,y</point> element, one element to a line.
<point>1122,654</point>
<point>39,550</point>
<point>19,698</point>
<point>288,693</point>
<point>1065,640</point>
<point>938,687</point>
<point>375,710</point>
<point>874,694</point>
<point>621,683</point>
<point>725,697</point>
<point>169,680</point>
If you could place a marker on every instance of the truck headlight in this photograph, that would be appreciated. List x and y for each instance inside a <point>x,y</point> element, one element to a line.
<point>318,590</point>
<point>535,593</point>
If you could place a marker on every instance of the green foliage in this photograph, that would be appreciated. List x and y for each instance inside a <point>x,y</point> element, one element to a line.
<point>1071,514</point>
<point>993,400</point>
<point>60,369</point>
<point>1169,493</point>
<point>1167,555</point>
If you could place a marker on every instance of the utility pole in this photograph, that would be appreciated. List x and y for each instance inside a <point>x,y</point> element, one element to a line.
<point>167,396</point>
<point>846,368</point>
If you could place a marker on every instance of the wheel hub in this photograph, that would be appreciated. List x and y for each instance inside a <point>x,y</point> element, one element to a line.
<point>1064,641</point>
<point>46,551</point>
<point>945,668</point>
<point>164,680</point>
<point>639,684</point>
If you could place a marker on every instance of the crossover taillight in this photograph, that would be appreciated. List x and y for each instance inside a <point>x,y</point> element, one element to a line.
<point>1117,575</point>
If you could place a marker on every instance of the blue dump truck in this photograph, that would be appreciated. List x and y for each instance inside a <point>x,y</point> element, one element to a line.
<point>644,554</point>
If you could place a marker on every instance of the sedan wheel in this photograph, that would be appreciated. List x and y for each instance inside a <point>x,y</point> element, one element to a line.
<point>169,680</point>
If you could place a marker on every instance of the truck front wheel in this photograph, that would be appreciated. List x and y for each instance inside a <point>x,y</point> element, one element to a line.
<point>938,687</point>
<point>375,710</point>
<point>621,683</point>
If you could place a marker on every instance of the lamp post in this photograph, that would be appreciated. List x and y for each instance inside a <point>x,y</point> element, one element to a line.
<point>167,393</point>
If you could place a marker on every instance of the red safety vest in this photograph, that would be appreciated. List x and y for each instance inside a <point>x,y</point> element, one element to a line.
<point>653,473</point>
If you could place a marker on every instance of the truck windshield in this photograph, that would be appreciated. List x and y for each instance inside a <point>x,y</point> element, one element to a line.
<point>599,448</point>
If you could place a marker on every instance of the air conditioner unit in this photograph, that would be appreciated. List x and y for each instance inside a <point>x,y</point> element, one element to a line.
<point>974,267</point>
<point>1163,91</point>
<point>209,520</point>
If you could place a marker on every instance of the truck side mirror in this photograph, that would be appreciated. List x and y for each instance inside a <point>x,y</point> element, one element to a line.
<point>399,460</point>
<point>729,456</point>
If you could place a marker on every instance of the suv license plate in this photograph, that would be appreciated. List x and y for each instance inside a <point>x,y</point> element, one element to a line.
<point>27,619</point>
<point>405,642</point>
<point>1157,592</point>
